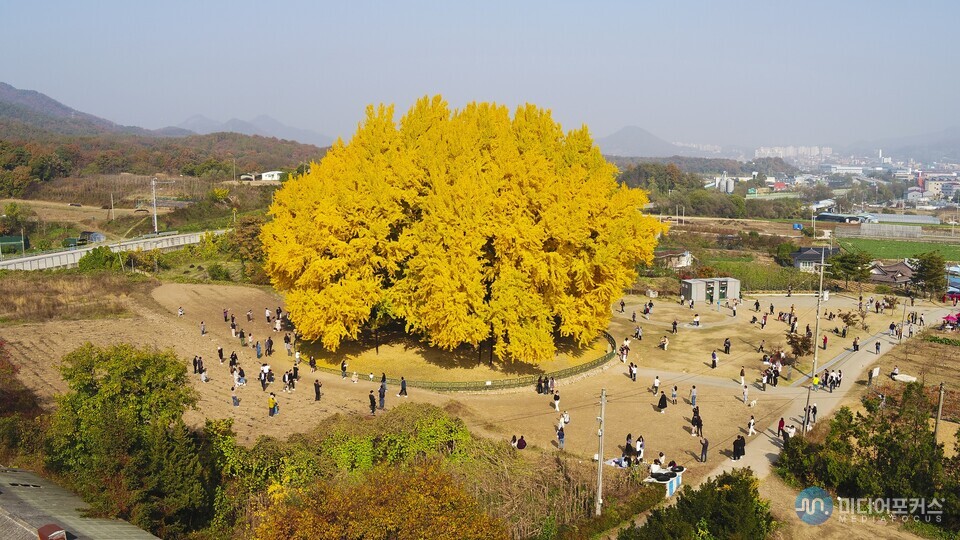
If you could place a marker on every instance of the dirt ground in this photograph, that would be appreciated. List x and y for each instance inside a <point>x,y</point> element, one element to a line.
<point>783,501</point>
<point>689,350</point>
<point>631,406</point>
<point>86,217</point>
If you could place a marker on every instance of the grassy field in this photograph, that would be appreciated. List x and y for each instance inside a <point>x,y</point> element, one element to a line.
<point>41,296</point>
<point>899,249</point>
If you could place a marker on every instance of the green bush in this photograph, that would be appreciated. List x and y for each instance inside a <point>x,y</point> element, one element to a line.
<point>728,506</point>
<point>943,340</point>
<point>100,258</point>
<point>217,272</point>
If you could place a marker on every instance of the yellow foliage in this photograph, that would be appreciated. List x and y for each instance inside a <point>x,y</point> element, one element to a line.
<point>470,224</point>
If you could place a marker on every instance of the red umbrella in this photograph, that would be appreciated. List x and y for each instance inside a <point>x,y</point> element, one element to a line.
<point>951,318</point>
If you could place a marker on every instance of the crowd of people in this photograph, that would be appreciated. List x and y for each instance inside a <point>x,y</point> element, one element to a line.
<point>770,368</point>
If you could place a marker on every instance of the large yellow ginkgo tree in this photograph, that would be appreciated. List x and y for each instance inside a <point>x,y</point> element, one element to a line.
<point>467,225</point>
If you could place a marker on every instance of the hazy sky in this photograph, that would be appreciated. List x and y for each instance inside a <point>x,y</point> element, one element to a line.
<point>806,72</point>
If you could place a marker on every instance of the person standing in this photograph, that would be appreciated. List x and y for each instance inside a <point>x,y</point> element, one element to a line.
<point>693,396</point>
<point>373,404</point>
<point>878,347</point>
<point>813,413</point>
<point>663,403</point>
<point>403,388</point>
<point>220,354</point>
<point>750,426</point>
<point>560,436</point>
<point>674,326</point>
<point>743,374</point>
<point>745,391</point>
<point>225,317</point>
<point>195,365</point>
<point>343,369</point>
<point>272,404</point>
<point>824,342</point>
<point>780,427</point>
<point>316,389</point>
<point>233,396</point>
<point>656,384</point>
<point>556,401</point>
<point>383,394</point>
<point>673,395</point>
<point>203,328</point>
<point>704,445</point>
<point>726,346</point>
<point>713,359</point>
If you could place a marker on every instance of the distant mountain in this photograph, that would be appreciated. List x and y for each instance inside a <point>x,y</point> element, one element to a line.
<point>264,126</point>
<point>636,141</point>
<point>941,146</point>
<point>38,110</point>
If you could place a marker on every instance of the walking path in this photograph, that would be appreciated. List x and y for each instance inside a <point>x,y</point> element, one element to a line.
<point>763,451</point>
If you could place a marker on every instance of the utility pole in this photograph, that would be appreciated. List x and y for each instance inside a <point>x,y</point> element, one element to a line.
<point>939,412</point>
<point>153,184</point>
<point>603,406</point>
<point>112,215</point>
<point>816,336</point>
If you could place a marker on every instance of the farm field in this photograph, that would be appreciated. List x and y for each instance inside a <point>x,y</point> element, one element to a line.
<point>900,249</point>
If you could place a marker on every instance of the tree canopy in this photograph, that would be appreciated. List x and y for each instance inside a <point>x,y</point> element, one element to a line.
<point>849,265</point>
<point>930,272</point>
<point>118,436</point>
<point>471,225</point>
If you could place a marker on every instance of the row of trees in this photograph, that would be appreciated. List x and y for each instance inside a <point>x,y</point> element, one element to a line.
<point>466,226</point>
<point>714,166</point>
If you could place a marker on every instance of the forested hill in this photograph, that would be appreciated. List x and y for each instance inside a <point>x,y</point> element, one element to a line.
<point>766,166</point>
<point>39,156</point>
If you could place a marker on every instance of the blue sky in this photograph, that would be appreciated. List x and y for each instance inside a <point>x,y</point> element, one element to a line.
<point>809,72</point>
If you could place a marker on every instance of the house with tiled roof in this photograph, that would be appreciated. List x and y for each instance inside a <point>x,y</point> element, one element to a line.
<point>897,274</point>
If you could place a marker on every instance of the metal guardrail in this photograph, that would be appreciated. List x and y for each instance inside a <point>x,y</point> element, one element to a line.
<point>501,384</point>
<point>70,258</point>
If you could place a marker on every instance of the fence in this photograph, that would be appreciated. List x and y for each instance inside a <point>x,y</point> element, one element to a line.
<point>70,257</point>
<point>501,384</point>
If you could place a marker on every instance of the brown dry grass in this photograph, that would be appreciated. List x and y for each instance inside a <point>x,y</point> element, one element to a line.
<point>39,296</point>
<point>126,189</point>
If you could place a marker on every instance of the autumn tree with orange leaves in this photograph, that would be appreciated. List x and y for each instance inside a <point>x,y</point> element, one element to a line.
<point>467,225</point>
